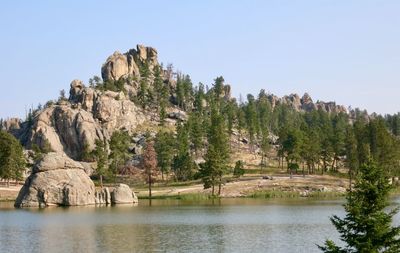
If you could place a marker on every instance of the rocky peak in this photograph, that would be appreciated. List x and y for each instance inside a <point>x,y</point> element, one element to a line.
<point>76,87</point>
<point>127,65</point>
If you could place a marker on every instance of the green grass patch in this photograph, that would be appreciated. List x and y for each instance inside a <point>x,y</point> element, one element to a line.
<point>186,197</point>
<point>270,194</point>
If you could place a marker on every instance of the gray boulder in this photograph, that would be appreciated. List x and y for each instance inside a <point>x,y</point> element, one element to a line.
<point>122,194</point>
<point>56,180</point>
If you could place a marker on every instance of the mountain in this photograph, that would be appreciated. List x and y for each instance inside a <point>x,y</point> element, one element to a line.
<point>71,125</point>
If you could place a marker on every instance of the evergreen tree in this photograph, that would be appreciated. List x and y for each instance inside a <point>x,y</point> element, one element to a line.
<point>144,95</point>
<point>119,147</point>
<point>183,164</point>
<point>265,147</point>
<point>158,84</point>
<point>251,119</point>
<point>100,155</point>
<point>12,161</point>
<point>241,121</point>
<point>230,114</point>
<point>217,156</point>
<point>238,170</point>
<point>366,226</point>
<point>164,146</point>
<point>351,153</point>
<point>196,132</point>
<point>199,98</point>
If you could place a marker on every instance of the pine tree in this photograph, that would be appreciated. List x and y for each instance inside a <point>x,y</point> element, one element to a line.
<point>199,98</point>
<point>217,156</point>
<point>164,146</point>
<point>196,132</point>
<point>183,164</point>
<point>351,153</point>
<point>100,155</point>
<point>119,147</point>
<point>367,226</point>
<point>12,161</point>
<point>251,120</point>
<point>265,147</point>
<point>144,91</point>
<point>158,84</point>
<point>238,170</point>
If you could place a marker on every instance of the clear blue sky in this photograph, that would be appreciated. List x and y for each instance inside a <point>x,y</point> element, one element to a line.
<point>346,51</point>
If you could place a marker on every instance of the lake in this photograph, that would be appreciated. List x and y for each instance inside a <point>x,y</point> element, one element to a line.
<point>227,225</point>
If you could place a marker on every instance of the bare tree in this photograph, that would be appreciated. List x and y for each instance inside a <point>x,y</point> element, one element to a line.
<point>150,164</point>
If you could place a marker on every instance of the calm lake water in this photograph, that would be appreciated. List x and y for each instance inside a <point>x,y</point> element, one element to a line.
<point>229,225</point>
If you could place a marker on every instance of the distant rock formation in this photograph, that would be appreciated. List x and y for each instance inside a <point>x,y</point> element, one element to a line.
<point>125,65</point>
<point>11,124</point>
<point>305,103</point>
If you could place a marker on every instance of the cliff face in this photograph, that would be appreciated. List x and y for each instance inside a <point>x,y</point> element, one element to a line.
<point>305,103</point>
<point>72,125</point>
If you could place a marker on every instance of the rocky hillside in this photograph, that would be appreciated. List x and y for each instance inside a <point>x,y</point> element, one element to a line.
<point>71,125</point>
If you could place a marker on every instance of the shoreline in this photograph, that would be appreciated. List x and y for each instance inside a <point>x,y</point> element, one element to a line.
<point>280,186</point>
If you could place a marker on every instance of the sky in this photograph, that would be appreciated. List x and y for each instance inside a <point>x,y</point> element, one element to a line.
<point>343,51</point>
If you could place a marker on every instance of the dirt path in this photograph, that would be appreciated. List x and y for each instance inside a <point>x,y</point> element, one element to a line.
<point>9,193</point>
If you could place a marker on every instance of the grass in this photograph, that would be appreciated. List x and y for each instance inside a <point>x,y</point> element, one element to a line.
<point>186,197</point>
<point>270,194</point>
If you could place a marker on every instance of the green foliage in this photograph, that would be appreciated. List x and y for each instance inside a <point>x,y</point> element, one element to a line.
<point>184,91</point>
<point>111,85</point>
<point>119,147</point>
<point>100,155</point>
<point>251,118</point>
<point>12,161</point>
<point>44,148</point>
<point>86,154</point>
<point>367,226</point>
<point>183,164</point>
<point>164,146</point>
<point>238,170</point>
<point>196,131</point>
<point>217,156</point>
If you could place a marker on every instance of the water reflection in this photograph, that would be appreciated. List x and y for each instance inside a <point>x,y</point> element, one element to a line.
<point>237,225</point>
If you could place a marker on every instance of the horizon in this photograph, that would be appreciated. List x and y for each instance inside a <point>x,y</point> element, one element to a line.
<point>284,48</point>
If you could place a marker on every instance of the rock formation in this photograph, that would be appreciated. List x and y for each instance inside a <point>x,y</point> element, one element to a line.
<point>122,194</point>
<point>56,180</point>
<point>125,65</point>
<point>72,126</point>
<point>11,124</point>
<point>305,103</point>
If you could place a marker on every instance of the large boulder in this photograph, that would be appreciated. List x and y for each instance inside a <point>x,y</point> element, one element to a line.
<point>122,194</point>
<point>56,180</point>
